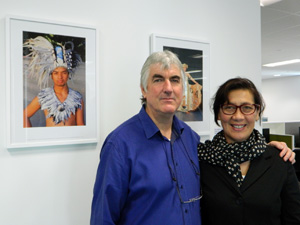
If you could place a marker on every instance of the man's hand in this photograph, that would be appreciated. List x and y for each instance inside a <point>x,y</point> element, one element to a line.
<point>286,153</point>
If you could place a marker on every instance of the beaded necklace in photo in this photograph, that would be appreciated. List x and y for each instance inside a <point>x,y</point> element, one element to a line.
<point>60,111</point>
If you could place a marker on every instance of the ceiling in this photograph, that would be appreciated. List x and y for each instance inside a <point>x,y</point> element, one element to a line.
<point>280,28</point>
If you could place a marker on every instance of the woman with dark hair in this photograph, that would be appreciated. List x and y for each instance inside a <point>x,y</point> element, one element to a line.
<point>244,181</point>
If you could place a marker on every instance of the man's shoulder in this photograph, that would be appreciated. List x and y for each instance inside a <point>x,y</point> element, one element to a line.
<point>121,139</point>
<point>75,94</point>
<point>45,92</point>
<point>128,127</point>
<point>74,91</point>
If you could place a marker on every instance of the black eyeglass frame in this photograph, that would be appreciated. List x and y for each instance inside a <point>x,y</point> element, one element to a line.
<point>257,107</point>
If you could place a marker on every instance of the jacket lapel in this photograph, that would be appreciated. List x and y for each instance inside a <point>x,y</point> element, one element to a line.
<point>257,168</point>
<point>228,180</point>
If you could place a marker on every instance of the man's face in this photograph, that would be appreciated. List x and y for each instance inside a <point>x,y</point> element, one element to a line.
<point>60,76</point>
<point>164,91</point>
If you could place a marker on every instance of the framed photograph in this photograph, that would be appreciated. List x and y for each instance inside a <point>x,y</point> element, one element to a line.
<point>51,83</point>
<point>194,56</point>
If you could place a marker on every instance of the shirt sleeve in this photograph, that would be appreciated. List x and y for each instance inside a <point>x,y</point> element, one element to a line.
<point>111,186</point>
<point>291,198</point>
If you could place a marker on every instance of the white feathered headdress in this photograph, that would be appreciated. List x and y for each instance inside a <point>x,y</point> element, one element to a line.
<point>45,57</point>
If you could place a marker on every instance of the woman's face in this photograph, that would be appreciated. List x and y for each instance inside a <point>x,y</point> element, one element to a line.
<point>238,127</point>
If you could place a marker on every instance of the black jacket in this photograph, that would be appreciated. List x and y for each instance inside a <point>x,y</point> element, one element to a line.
<point>270,194</point>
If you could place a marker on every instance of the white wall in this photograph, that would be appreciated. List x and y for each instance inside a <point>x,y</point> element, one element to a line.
<point>53,185</point>
<point>282,98</point>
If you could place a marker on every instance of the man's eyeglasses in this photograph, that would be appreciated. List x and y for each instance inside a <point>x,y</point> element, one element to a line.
<point>174,178</point>
<point>246,109</point>
<point>191,199</point>
<point>197,198</point>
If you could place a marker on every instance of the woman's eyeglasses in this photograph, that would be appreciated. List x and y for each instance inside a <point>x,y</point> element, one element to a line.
<point>246,109</point>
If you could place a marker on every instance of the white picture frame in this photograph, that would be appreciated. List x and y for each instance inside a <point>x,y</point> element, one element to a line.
<point>19,136</point>
<point>183,47</point>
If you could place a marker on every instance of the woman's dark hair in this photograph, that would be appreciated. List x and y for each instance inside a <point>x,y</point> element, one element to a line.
<point>238,83</point>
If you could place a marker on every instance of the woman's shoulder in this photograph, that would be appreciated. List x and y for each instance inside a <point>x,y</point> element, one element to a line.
<point>274,154</point>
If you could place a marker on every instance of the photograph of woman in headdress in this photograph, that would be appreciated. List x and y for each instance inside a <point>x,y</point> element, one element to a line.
<point>54,80</point>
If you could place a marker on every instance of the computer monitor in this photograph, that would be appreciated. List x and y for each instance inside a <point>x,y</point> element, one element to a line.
<point>266,133</point>
<point>294,129</point>
<point>287,138</point>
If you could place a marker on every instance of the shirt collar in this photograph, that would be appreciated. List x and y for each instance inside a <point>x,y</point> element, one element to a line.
<point>151,129</point>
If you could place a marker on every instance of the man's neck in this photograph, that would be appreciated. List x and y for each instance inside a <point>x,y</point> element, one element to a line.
<point>61,92</point>
<point>166,131</point>
<point>163,122</point>
<point>61,89</point>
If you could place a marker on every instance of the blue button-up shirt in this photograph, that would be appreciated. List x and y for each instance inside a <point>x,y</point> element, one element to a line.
<point>145,179</point>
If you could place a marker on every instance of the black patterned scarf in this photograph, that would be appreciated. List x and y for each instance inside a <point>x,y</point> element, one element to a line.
<point>219,152</point>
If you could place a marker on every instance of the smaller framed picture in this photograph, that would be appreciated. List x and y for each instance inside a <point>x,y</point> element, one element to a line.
<point>51,83</point>
<point>194,56</point>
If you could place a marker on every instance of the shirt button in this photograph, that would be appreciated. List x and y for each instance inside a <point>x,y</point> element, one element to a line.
<point>186,211</point>
<point>181,186</point>
<point>239,201</point>
<point>176,164</point>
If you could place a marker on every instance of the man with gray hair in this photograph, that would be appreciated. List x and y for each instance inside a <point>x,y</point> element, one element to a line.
<point>149,170</point>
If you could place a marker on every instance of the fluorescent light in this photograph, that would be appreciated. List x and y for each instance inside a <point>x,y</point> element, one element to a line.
<point>194,71</point>
<point>282,63</point>
<point>277,75</point>
<point>197,56</point>
<point>268,2</point>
